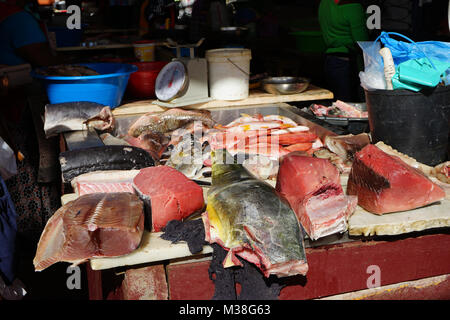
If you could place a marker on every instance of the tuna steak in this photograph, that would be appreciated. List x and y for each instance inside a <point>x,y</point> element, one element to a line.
<point>384,183</point>
<point>312,188</point>
<point>248,218</point>
<point>168,195</point>
<point>93,225</point>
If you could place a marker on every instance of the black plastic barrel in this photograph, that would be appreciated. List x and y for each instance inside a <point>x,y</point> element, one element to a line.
<point>414,123</point>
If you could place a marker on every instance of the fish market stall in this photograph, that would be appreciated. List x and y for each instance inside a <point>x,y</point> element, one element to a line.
<point>215,191</point>
<point>402,247</point>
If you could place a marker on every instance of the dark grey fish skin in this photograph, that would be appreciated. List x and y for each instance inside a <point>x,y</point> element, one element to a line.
<point>69,116</point>
<point>251,213</point>
<point>76,162</point>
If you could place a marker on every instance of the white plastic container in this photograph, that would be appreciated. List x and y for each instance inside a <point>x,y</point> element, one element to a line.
<point>228,73</point>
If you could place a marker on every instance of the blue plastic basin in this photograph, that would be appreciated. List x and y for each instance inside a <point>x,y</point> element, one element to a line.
<point>107,88</point>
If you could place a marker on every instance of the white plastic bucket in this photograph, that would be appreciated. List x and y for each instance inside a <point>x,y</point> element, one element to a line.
<point>228,73</point>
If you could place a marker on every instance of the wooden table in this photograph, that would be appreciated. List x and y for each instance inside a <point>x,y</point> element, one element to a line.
<point>414,265</point>
<point>256,97</point>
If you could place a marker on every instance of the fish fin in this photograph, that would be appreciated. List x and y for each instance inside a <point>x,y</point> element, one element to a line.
<point>77,262</point>
<point>231,260</point>
<point>259,116</point>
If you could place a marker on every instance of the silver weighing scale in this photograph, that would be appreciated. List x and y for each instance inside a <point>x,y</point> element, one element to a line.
<point>184,80</point>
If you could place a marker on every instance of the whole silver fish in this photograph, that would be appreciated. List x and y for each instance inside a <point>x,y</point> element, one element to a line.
<point>76,116</point>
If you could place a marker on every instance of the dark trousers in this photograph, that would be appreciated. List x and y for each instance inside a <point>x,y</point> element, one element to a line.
<point>341,77</point>
<point>8,229</point>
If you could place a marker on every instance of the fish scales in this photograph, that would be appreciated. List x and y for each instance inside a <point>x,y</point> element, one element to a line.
<point>169,121</point>
<point>254,199</point>
<point>247,217</point>
<point>71,116</point>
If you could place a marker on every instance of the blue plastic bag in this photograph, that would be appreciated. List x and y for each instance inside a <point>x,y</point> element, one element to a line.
<point>404,51</point>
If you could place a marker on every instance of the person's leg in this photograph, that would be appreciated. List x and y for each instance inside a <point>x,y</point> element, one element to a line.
<point>337,74</point>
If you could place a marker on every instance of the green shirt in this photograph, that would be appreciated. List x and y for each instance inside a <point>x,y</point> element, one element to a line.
<point>342,25</point>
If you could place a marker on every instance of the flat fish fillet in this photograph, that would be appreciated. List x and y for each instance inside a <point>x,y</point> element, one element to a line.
<point>384,183</point>
<point>312,188</point>
<point>93,225</point>
<point>168,193</point>
<point>104,181</point>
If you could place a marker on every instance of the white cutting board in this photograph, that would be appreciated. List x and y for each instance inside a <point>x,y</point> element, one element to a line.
<point>151,249</point>
<point>364,223</point>
<point>368,224</point>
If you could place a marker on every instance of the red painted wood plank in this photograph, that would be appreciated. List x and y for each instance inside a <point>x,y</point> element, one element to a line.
<point>343,268</point>
<point>190,281</point>
<point>146,283</point>
<point>336,269</point>
<point>94,278</point>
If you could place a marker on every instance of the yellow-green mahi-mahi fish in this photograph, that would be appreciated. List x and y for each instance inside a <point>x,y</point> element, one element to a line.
<point>247,217</point>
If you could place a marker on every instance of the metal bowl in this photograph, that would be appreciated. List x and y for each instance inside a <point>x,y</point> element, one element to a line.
<point>285,85</point>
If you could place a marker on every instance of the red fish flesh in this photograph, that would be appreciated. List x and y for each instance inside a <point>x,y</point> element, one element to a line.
<point>302,146</point>
<point>104,187</point>
<point>168,193</point>
<point>312,188</point>
<point>384,183</point>
<point>93,225</point>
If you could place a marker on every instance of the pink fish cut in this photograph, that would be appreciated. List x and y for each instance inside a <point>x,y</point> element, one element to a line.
<point>384,183</point>
<point>312,188</point>
<point>169,194</point>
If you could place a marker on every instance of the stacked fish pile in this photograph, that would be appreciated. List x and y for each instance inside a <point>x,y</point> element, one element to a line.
<point>272,135</point>
<point>123,187</point>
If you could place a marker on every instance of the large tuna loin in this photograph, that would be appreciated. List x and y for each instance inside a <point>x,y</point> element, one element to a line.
<point>93,225</point>
<point>168,193</point>
<point>312,188</point>
<point>384,183</point>
<point>248,218</point>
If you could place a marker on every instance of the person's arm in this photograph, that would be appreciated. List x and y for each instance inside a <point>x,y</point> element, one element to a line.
<point>357,19</point>
<point>29,41</point>
<point>38,54</point>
